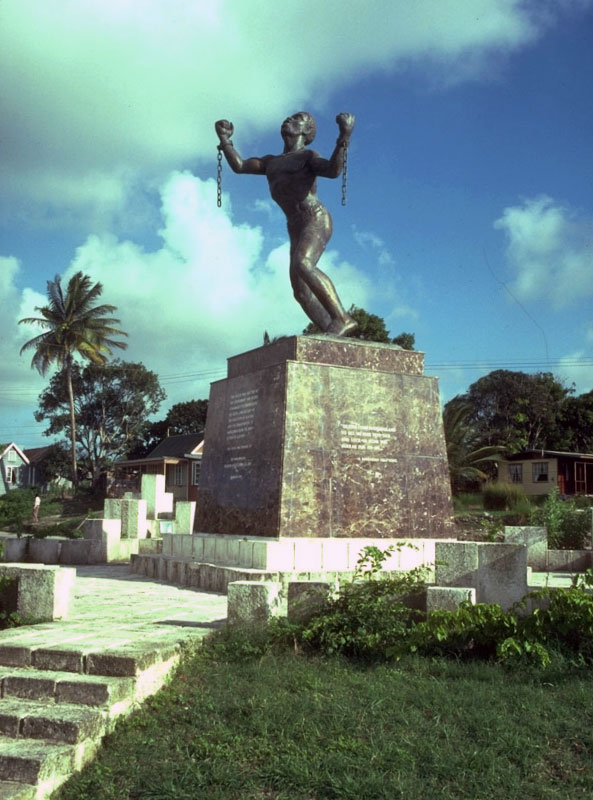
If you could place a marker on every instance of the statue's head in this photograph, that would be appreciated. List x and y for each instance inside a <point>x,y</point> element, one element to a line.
<point>304,121</point>
<point>310,129</point>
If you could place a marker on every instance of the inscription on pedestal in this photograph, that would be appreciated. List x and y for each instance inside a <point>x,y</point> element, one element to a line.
<point>240,431</point>
<point>359,440</point>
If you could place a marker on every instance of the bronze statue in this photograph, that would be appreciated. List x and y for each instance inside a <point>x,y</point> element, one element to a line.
<point>292,177</point>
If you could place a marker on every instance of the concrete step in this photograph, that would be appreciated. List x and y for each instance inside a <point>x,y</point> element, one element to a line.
<point>9,790</point>
<point>52,722</point>
<point>196,574</point>
<point>63,723</point>
<point>128,660</point>
<point>40,767</point>
<point>64,687</point>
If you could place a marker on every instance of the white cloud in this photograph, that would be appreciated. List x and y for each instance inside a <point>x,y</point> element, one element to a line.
<point>549,247</point>
<point>113,91</point>
<point>368,239</point>
<point>19,384</point>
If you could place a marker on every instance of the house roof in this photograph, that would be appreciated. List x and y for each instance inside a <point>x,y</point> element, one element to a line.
<point>177,446</point>
<point>4,448</point>
<point>35,454</point>
<point>546,454</point>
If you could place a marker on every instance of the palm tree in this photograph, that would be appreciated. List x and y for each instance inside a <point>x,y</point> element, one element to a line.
<point>464,453</point>
<point>73,326</point>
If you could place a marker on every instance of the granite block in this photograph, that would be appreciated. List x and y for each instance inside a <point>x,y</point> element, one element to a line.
<point>502,573</point>
<point>535,540</point>
<point>456,564</point>
<point>250,602</point>
<point>347,444</point>
<point>448,598</point>
<point>305,599</point>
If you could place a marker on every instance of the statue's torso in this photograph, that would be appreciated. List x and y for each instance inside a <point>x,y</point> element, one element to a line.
<point>291,180</point>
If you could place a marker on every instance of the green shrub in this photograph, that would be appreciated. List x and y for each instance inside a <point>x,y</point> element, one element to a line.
<point>473,631</point>
<point>367,619</point>
<point>568,526</point>
<point>503,497</point>
<point>16,507</point>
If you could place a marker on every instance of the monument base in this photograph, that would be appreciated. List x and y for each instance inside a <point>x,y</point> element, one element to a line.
<point>320,436</point>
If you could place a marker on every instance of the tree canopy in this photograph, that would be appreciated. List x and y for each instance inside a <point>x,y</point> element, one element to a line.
<point>111,403</point>
<point>187,417</point>
<point>517,410</point>
<point>576,424</point>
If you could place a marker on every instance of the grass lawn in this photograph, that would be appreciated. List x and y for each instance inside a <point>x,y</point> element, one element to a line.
<point>289,727</point>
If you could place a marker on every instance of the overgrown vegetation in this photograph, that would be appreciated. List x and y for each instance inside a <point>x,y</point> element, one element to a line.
<point>504,497</point>
<point>568,525</point>
<point>59,516</point>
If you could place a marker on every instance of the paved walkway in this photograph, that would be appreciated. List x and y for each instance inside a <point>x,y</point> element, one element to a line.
<point>113,607</point>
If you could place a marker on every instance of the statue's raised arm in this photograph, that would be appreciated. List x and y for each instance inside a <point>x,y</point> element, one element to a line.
<point>333,167</point>
<point>249,166</point>
<point>292,178</point>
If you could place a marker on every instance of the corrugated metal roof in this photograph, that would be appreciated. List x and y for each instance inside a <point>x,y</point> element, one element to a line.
<point>176,446</point>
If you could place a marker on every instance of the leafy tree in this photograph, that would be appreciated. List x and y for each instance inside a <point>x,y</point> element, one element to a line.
<point>371,328</point>
<point>274,339</point>
<point>56,462</point>
<point>111,405</point>
<point>187,417</point>
<point>405,340</point>
<point>576,425</point>
<point>467,458</point>
<point>515,409</point>
<point>74,326</point>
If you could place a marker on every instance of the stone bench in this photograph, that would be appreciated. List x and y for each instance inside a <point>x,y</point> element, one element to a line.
<point>43,592</point>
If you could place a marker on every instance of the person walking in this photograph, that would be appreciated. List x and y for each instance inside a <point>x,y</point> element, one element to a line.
<point>36,505</point>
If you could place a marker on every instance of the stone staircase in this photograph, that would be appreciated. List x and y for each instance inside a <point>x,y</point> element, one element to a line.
<point>56,706</point>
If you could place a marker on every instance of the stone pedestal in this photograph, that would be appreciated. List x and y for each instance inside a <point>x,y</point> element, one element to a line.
<point>319,436</point>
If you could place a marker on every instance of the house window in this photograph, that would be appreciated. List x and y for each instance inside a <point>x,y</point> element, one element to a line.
<point>12,475</point>
<point>195,472</point>
<point>179,478</point>
<point>516,473</point>
<point>11,455</point>
<point>540,472</point>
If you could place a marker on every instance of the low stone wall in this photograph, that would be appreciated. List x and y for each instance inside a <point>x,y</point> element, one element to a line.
<point>100,547</point>
<point>568,560</point>
<point>293,554</point>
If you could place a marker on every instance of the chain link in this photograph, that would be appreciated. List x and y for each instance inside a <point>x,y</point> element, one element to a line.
<point>219,179</point>
<point>345,173</point>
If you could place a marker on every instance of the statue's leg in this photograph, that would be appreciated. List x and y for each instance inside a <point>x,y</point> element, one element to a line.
<point>312,287</point>
<point>305,297</point>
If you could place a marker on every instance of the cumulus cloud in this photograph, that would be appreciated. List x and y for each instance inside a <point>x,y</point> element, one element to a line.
<point>550,248</point>
<point>101,93</point>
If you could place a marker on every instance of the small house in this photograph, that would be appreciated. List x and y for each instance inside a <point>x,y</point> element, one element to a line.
<point>178,458</point>
<point>540,471</point>
<point>13,468</point>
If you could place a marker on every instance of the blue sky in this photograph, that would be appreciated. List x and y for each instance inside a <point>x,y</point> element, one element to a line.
<point>470,196</point>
